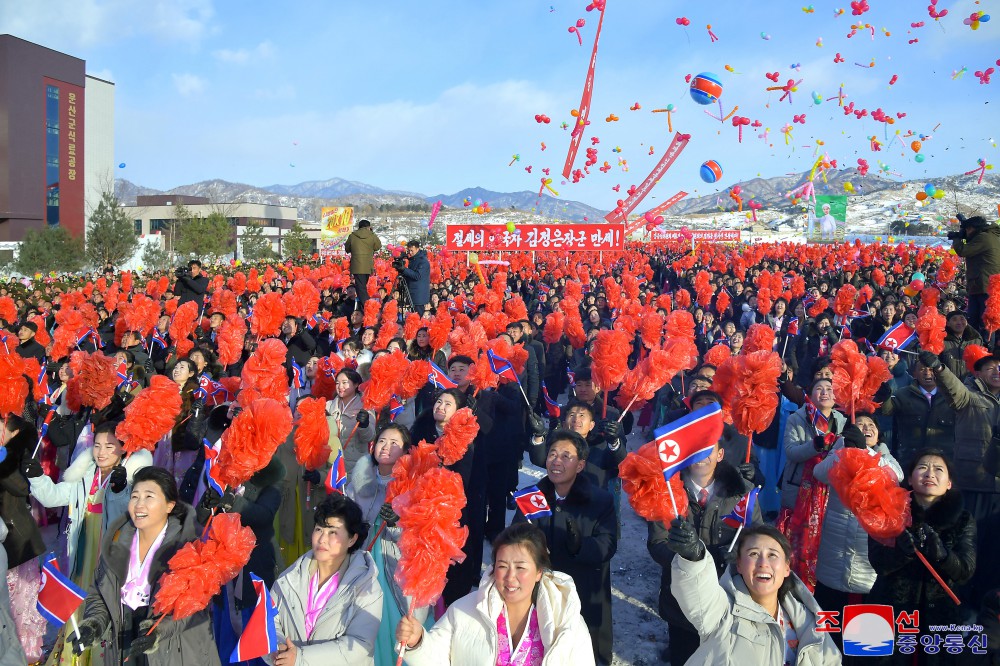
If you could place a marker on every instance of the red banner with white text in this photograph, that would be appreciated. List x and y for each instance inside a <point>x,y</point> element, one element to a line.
<point>528,237</point>
<point>625,207</point>
<point>641,220</point>
<point>584,110</point>
<point>699,236</point>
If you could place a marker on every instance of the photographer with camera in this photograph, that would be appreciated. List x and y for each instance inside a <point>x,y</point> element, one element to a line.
<point>191,284</point>
<point>979,242</point>
<point>362,245</point>
<point>417,273</point>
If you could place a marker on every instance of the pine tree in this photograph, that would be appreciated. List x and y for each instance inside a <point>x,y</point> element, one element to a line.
<point>208,238</point>
<point>254,245</point>
<point>111,235</point>
<point>51,249</point>
<point>296,243</point>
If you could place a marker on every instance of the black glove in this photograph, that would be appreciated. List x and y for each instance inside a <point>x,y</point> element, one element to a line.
<point>118,479</point>
<point>883,393</point>
<point>312,476</point>
<point>144,643</point>
<point>820,443</point>
<point>43,409</point>
<point>538,427</point>
<point>388,516</point>
<point>930,360</point>
<point>609,429</point>
<point>747,471</point>
<point>363,419</point>
<point>932,546</point>
<point>683,540</point>
<point>88,635</point>
<point>905,543</point>
<point>31,468</point>
<point>853,437</point>
<point>574,540</point>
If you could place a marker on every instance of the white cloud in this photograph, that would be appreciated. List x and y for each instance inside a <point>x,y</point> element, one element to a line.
<point>242,56</point>
<point>71,24</point>
<point>188,84</point>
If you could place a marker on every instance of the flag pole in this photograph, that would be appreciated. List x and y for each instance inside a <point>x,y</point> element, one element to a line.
<point>76,630</point>
<point>673,502</point>
<point>735,538</point>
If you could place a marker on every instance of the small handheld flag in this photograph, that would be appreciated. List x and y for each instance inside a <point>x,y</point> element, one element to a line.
<point>688,439</point>
<point>259,637</point>
<point>551,406</point>
<point>502,367</point>
<point>439,378</point>
<point>298,375</point>
<point>211,471</point>
<point>793,326</point>
<point>742,514</point>
<point>336,478</point>
<point>532,503</point>
<point>58,596</point>
<point>396,407</point>
<point>897,338</point>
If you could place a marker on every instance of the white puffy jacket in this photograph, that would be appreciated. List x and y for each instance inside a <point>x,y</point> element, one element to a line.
<point>467,634</point>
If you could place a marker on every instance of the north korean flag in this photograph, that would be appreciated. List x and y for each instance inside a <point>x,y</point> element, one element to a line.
<point>211,471</point>
<point>396,407</point>
<point>551,406</point>
<point>260,637</point>
<point>793,326</point>
<point>897,337</point>
<point>532,503</point>
<point>298,375</point>
<point>439,378</point>
<point>688,439</point>
<point>502,367</point>
<point>742,513</point>
<point>336,478</point>
<point>58,596</point>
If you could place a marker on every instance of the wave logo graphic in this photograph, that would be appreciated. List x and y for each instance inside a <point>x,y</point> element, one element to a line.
<point>868,630</point>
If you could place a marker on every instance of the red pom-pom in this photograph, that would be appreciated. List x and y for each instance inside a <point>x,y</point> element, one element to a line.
<point>252,439</point>
<point>96,379</point>
<point>411,325</point>
<point>871,493</point>
<point>818,307</point>
<point>431,538</point>
<point>439,329</point>
<point>722,301</point>
<point>515,309</point>
<point>303,300</point>
<point>972,354</point>
<point>991,315</point>
<point>13,385</point>
<point>312,433</point>
<point>230,340</point>
<point>420,459</point>
<point>878,277</point>
<point>683,299</point>
<point>324,382</point>
<point>856,378</point>
<point>199,569</point>
<point>931,330</point>
<point>150,416</point>
<point>574,326</point>
<point>371,312</point>
<point>414,379</point>
<point>764,301</point>
<point>264,372</point>
<point>268,315</point>
<point>223,301</point>
<point>642,480</point>
<point>755,397</point>
<point>182,326</point>
<point>553,331</point>
<point>718,354</point>
<point>680,324</point>
<point>610,354</point>
<point>238,283</point>
<point>759,337</point>
<point>844,300</point>
<point>651,330</point>
<point>385,373</point>
<point>458,434</point>
<point>8,310</point>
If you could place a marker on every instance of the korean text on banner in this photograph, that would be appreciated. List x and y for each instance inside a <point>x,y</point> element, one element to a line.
<point>567,237</point>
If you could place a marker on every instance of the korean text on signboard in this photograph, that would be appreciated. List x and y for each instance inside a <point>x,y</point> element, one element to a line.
<point>566,237</point>
<point>716,236</point>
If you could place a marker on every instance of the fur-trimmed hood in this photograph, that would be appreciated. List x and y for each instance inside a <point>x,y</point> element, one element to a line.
<point>83,466</point>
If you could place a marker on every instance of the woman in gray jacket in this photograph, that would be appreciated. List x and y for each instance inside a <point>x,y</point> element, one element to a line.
<point>329,601</point>
<point>843,573</point>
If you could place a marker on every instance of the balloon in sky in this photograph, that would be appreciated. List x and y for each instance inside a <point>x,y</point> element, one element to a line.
<point>706,88</point>
<point>711,171</point>
<point>121,166</point>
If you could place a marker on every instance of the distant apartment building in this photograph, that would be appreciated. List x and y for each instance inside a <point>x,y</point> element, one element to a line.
<point>56,140</point>
<point>154,215</point>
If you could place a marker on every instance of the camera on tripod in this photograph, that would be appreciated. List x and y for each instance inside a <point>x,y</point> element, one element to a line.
<point>399,263</point>
<point>182,271</point>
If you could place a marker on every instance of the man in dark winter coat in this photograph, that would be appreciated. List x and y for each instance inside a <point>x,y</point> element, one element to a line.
<point>606,447</point>
<point>301,345</point>
<point>28,346</point>
<point>959,336</point>
<point>922,416</point>
<point>580,533</point>
<point>722,486</point>
<point>191,285</point>
<point>418,276</point>
<point>362,245</point>
<point>979,243</point>
<point>819,338</point>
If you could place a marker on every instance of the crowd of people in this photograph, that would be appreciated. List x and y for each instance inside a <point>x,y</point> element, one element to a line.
<point>513,348</point>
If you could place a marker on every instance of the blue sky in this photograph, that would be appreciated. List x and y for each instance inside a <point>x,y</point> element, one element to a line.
<point>437,95</point>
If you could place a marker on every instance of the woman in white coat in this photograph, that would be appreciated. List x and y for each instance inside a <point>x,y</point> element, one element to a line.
<point>523,614</point>
<point>329,601</point>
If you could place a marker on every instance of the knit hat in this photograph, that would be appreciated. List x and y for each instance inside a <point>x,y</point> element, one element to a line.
<point>975,222</point>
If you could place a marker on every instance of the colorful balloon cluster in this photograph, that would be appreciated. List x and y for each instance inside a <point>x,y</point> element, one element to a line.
<point>479,207</point>
<point>916,285</point>
<point>930,192</point>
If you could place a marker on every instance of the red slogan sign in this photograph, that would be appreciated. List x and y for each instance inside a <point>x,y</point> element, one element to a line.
<point>568,237</point>
<point>717,236</point>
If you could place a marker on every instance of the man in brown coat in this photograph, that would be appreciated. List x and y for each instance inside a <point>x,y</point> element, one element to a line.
<point>362,245</point>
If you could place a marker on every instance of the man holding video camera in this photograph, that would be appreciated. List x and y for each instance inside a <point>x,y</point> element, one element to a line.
<point>191,284</point>
<point>979,242</point>
<point>417,273</point>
